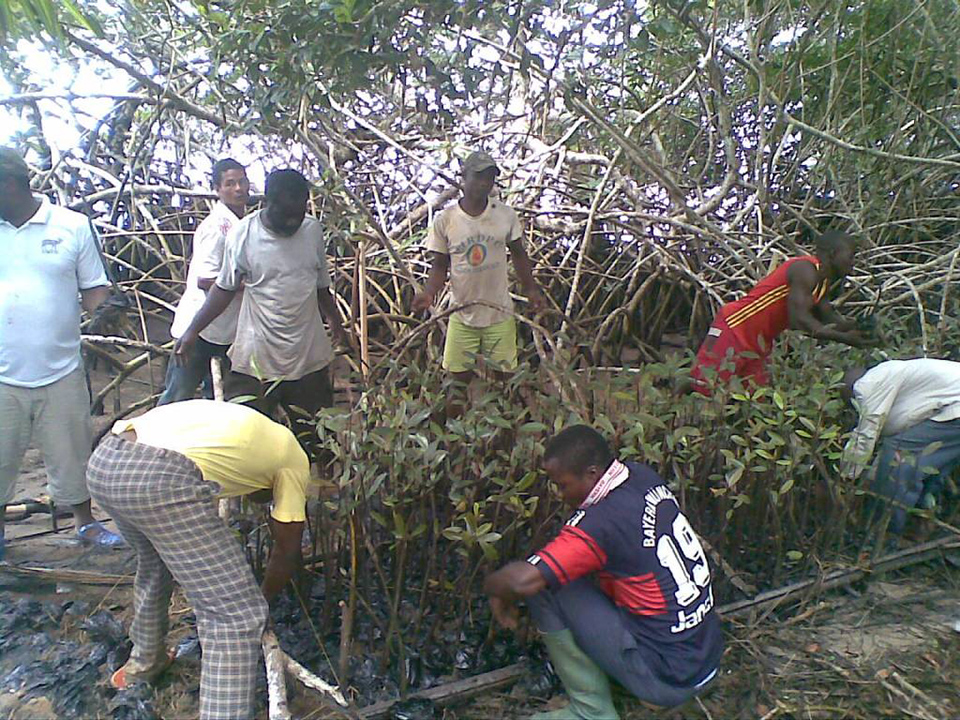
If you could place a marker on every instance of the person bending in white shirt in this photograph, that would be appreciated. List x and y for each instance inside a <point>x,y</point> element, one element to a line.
<point>912,407</point>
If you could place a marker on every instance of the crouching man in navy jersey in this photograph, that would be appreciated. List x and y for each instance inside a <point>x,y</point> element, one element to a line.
<point>623,591</point>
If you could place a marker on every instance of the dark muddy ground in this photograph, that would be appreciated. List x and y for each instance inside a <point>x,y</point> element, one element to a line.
<point>882,649</point>
<point>885,648</point>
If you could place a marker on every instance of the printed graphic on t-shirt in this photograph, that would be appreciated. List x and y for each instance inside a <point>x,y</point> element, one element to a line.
<point>470,256</point>
<point>51,246</point>
<point>681,554</point>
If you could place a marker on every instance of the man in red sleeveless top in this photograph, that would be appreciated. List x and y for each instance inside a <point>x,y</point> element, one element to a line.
<point>792,296</point>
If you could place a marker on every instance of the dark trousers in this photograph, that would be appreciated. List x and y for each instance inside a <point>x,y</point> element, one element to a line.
<point>182,380</point>
<point>912,464</point>
<point>301,399</point>
<point>601,630</point>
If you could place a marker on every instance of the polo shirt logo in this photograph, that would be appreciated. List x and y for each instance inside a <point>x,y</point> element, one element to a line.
<point>51,246</point>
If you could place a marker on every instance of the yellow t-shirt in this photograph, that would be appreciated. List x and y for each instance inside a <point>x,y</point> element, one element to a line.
<point>234,446</point>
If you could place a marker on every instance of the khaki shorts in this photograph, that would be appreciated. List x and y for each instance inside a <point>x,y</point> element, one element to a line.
<point>58,416</point>
<point>497,344</point>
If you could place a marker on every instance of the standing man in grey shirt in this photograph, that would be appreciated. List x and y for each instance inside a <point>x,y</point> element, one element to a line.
<point>281,353</point>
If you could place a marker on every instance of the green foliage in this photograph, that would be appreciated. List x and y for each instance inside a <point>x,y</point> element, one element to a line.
<point>439,503</point>
<point>29,19</point>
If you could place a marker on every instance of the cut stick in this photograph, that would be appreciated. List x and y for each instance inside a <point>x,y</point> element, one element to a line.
<point>312,681</point>
<point>278,663</point>
<point>842,577</point>
<point>216,374</point>
<point>274,659</point>
<point>76,577</point>
<point>452,692</point>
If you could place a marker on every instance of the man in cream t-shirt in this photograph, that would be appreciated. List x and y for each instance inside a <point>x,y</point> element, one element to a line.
<point>157,475</point>
<point>469,240</point>
<point>233,190</point>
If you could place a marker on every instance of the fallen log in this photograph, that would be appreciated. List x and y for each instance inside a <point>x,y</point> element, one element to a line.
<point>77,577</point>
<point>842,577</point>
<point>453,692</point>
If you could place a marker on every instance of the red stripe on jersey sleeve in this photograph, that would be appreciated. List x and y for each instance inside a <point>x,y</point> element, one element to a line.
<point>572,554</point>
<point>640,594</point>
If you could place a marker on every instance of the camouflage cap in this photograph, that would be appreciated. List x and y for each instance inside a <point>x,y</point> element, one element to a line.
<point>12,164</point>
<point>478,162</point>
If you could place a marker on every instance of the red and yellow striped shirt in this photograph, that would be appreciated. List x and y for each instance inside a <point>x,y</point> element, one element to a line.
<point>761,315</point>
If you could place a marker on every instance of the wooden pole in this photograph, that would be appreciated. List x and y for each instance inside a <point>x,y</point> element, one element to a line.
<point>276,677</point>
<point>216,374</point>
<point>364,326</point>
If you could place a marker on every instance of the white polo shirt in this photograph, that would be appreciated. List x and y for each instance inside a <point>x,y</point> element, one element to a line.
<point>44,264</point>
<point>207,257</point>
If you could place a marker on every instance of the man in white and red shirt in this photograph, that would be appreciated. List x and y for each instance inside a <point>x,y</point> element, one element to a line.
<point>233,190</point>
<point>624,589</point>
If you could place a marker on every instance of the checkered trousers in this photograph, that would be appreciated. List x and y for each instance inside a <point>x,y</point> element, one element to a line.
<point>165,510</point>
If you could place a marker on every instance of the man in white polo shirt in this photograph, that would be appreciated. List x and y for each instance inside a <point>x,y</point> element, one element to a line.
<point>469,241</point>
<point>233,190</point>
<point>912,408</point>
<point>281,353</point>
<point>49,268</point>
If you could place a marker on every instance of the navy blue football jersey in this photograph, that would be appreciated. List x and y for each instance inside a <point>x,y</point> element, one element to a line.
<point>631,538</point>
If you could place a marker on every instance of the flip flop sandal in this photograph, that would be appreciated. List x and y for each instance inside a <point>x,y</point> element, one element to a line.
<point>103,539</point>
<point>120,681</point>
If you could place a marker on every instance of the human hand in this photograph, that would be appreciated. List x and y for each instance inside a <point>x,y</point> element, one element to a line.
<point>341,337</point>
<point>422,301</point>
<point>535,300</point>
<point>183,347</point>
<point>505,612</point>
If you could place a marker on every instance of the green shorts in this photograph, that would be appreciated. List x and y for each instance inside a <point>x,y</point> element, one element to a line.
<point>496,343</point>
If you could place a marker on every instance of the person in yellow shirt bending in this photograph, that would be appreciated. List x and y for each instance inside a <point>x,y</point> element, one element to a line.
<point>158,476</point>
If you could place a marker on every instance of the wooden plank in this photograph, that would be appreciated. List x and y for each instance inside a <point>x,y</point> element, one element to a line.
<point>77,577</point>
<point>452,692</point>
